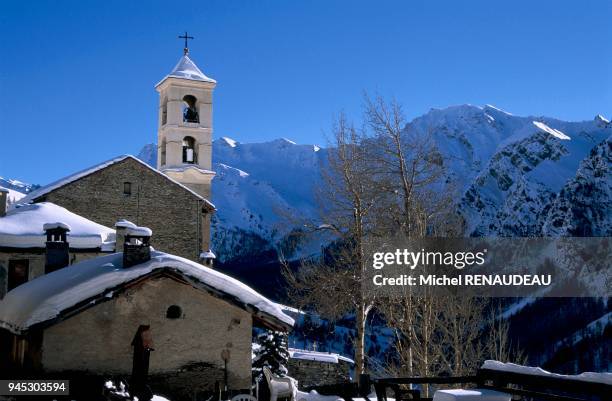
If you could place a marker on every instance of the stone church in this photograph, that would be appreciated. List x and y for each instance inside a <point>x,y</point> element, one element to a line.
<point>173,199</point>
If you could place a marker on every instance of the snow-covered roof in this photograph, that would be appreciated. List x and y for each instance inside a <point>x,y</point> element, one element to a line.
<point>56,225</point>
<point>595,377</point>
<point>186,69</point>
<point>123,223</point>
<point>307,355</point>
<point>83,284</point>
<point>32,196</point>
<point>139,231</point>
<point>185,167</point>
<point>4,190</point>
<point>23,227</point>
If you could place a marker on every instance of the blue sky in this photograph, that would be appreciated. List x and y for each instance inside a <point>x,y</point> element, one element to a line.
<point>77,77</point>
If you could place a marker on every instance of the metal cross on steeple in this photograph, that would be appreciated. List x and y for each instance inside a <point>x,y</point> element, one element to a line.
<point>186,37</point>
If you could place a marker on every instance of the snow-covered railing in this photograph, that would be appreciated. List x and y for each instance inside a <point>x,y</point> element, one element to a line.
<point>524,381</point>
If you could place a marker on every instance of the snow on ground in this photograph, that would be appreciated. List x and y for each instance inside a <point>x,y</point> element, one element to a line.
<point>314,396</point>
<point>308,355</point>
<point>23,227</point>
<point>45,297</point>
<point>595,377</point>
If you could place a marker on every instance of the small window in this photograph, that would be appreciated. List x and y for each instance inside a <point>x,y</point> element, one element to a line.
<point>174,312</point>
<point>19,270</point>
<point>127,188</point>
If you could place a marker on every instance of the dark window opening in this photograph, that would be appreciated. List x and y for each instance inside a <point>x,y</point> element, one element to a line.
<point>190,112</point>
<point>164,112</point>
<point>127,188</point>
<point>189,151</point>
<point>174,312</point>
<point>18,272</point>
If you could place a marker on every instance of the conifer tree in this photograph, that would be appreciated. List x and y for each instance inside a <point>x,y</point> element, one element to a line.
<point>273,353</point>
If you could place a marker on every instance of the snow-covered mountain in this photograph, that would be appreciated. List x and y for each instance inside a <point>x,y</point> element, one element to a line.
<point>517,176</point>
<point>257,190</point>
<point>16,189</point>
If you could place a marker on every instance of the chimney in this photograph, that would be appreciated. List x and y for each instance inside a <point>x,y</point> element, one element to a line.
<point>136,249</point>
<point>207,258</point>
<point>57,249</point>
<point>3,201</point>
<point>120,227</point>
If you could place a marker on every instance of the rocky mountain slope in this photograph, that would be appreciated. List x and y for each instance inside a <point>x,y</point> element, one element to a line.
<point>515,176</point>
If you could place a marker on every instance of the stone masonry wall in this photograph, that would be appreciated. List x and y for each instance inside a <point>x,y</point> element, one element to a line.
<point>36,263</point>
<point>173,213</point>
<point>187,350</point>
<point>315,373</point>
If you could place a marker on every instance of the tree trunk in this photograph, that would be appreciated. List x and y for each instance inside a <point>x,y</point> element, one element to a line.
<point>360,340</point>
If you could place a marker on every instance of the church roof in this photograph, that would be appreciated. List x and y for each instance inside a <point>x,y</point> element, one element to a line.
<point>186,69</point>
<point>34,195</point>
<point>53,297</point>
<point>23,227</point>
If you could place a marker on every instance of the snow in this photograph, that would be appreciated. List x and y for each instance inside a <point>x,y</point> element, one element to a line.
<point>308,355</point>
<point>490,106</point>
<point>595,377</point>
<point>56,225</point>
<point>601,118</point>
<point>45,297</point>
<point>554,132</point>
<point>23,227</point>
<point>186,69</point>
<point>476,394</point>
<point>123,223</point>
<point>232,143</point>
<point>314,396</point>
<point>83,173</point>
<point>13,196</point>
<point>185,167</point>
<point>138,231</point>
<point>208,255</point>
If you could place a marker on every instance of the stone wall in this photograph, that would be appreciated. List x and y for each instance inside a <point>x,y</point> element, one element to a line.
<point>173,213</point>
<point>315,373</point>
<point>187,354</point>
<point>36,263</point>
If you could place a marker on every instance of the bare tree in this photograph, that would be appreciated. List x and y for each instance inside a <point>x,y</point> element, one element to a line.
<point>332,285</point>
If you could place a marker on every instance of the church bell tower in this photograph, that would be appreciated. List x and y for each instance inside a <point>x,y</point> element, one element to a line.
<point>184,135</point>
<point>184,138</point>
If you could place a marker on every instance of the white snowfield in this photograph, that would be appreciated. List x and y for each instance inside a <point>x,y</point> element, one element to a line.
<point>46,297</point>
<point>554,132</point>
<point>595,377</point>
<point>23,227</point>
<point>83,173</point>
<point>307,355</point>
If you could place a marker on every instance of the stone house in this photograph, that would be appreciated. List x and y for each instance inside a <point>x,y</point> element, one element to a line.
<point>43,237</point>
<point>127,188</point>
<point>87,318</point>
<point>314,368</point>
